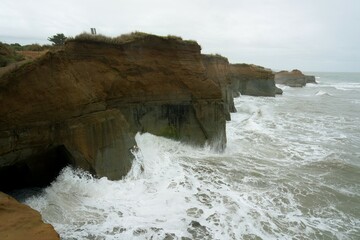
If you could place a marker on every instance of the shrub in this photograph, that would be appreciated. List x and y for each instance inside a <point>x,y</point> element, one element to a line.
<point>58,39</point>
<point>8,55</point>
<point>124,38</point>
<point>32,47</point>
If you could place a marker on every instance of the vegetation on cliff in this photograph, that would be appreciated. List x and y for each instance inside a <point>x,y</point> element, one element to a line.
<point>124,38</point>
<point>58,39</point>
<point>13,56</point>
<point>8,55</point>
<point>215,56</point>
<point>87,101</point>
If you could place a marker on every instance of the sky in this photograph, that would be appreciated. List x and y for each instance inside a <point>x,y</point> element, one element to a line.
<point>310,35</point>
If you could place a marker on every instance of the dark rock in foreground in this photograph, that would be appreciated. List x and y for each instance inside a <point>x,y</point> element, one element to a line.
<point>19,221</point>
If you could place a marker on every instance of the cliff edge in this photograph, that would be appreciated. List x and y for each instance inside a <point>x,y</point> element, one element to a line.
<point>84,104</point>
<point>217,69</point>
<point>249,79</point>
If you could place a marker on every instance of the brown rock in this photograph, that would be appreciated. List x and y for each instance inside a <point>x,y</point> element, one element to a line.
<point>218,70</point>
<point>249,79</point>
<point>83,105</point>
<point>295,78</point>
<point>20,222</point>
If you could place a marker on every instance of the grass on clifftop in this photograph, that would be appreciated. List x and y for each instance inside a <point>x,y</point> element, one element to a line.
<point>124,38</point>
<point>215,55</point>
<point>8,55</point>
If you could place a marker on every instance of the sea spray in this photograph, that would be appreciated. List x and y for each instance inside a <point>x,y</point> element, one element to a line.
<point>290,171</point>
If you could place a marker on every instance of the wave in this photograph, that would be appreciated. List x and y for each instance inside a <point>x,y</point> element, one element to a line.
<point>322,93</point>
<point>278,178</point>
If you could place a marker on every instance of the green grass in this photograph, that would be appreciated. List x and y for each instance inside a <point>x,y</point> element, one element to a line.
<point>8,55</point>
<point>124,38</point>
<point>215,55</point>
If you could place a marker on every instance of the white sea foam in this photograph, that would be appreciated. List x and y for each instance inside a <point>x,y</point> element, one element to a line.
<point>322,93</point>
<point>290,171</point>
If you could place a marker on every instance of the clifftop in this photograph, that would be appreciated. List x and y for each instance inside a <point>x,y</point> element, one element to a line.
<point>129,38</point>
<point>250,71</point>
<point>83,105</point>
<point>62,84</point>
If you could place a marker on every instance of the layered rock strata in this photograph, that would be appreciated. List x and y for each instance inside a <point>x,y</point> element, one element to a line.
<point>249,79</point>
<point>19,221</point>
<point>83,105</point>
<point>218,70</point>
<point>295,78</point>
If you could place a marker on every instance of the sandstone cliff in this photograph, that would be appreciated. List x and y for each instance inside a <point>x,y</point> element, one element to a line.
<point>20,222</point>
<point>249,79</point>
<point>84,104</point>
<point>295,78</point>
<point>218,70</point>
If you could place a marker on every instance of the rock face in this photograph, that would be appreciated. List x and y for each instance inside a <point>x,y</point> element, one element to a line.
<point>310,79</point>
<point>19,221</point>
<point>295,78</point>
<point>83,105</point>
<point>252,80</point>
<point>218,70</point>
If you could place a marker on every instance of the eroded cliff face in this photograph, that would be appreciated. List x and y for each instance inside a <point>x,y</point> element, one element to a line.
<point>86,103</point>
<point>218,70</point>
<point>19,221</point>
<point>253,80</point>
<point>295,78</point>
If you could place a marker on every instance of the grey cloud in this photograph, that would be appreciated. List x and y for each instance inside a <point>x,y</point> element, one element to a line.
<point>281,34</point>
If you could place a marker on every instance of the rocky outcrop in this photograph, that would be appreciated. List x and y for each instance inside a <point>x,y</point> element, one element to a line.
<point>218,70</point>
<point>84,104</point>
<point>19,221</point>
<point>249,79</point>
<point>295,78</point>
<point>310,79</point>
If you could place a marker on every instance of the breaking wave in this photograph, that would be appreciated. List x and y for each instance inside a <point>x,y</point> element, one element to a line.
<point>290,171</point>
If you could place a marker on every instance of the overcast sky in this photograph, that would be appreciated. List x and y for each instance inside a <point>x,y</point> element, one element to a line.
<point>311,35</point>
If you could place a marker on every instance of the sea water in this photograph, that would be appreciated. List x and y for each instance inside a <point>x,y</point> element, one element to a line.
<point>291,170</point>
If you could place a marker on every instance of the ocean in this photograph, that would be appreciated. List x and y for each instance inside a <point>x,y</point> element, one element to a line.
<point>291,170</point>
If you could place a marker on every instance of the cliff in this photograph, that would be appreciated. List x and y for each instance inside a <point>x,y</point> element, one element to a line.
<point>249,79</point>
<point>217,69</point>
<point>84,104</point>
<point>19,221</point>
<point>295,78</point>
